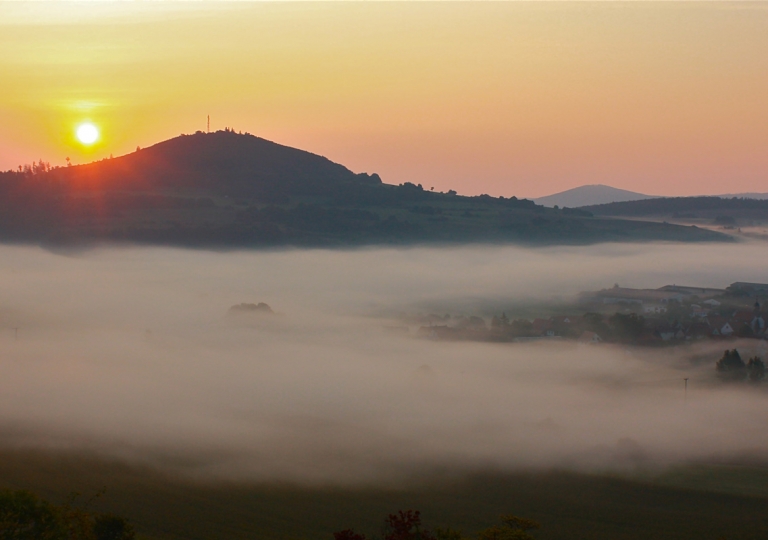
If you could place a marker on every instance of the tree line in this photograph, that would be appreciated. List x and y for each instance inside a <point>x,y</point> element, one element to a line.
<point>731,367</point>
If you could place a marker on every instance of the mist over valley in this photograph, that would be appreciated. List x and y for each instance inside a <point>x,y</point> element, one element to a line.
<point>132,353</point>
<point>383,270</point>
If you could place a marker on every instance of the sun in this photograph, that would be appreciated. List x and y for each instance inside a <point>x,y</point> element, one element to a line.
<point>87,133</point>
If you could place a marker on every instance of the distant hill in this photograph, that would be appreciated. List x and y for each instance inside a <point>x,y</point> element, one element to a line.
<point>226,189</point>
<point>759,196</point>
<point>598,194</point>
<point>589,195</point>
<point>729,211</point>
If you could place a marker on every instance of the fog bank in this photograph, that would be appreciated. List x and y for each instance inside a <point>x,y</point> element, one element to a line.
<point>130,353</point>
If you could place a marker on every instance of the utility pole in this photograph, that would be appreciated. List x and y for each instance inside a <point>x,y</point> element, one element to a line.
<point>685,394</point>
<point>209,124</point>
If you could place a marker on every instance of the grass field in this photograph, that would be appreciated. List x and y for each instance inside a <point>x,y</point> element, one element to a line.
<point>691,502</point>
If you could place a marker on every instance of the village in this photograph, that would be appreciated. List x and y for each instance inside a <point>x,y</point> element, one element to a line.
<point>669,315</point>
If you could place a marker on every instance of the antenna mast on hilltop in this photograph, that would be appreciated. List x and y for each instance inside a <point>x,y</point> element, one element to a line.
<point>209,124</point>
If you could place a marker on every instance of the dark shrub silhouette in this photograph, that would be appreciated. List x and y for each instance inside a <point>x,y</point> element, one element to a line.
<point>755,369</point>
<point>731,366</point>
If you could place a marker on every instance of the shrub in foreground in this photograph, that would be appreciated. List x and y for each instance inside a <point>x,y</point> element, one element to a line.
<point>24,516</point>
<point>406,525</point>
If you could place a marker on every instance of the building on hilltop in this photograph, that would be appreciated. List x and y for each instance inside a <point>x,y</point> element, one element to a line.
<point>743,288</point>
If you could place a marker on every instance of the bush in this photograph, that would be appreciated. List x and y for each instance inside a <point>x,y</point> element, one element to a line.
<point>755,369</point>
<point>406,525</point>
<point>24,516</point>
<point>731,366</point>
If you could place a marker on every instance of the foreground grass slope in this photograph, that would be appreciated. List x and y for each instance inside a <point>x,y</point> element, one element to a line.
<point>569,506</point>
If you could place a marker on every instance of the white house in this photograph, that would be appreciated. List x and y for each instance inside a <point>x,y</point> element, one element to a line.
<point>725,330</point>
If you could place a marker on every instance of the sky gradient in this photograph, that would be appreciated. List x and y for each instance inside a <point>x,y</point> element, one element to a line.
<point>517,98</point>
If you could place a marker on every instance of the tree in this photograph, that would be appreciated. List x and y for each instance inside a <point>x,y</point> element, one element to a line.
<point>348,534</point>
<point>731,366</point>
<point>755,369</point>
<point>522,327</point>
<point>111,527</point>
<point>405,526</point>
<point>595,322</point>
<point>513,528</point>
<point>746,331</point>
<point>628,327</point>
<point>448,534</point>
<point>500,322</point>
<point>24,516</point>
<point>518,523</point>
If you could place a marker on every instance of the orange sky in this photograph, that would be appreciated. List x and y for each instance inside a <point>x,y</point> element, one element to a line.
<point>515,98</point>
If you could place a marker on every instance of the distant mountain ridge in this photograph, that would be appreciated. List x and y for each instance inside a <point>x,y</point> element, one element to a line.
<point>590,195</point>
<point>596,194</point>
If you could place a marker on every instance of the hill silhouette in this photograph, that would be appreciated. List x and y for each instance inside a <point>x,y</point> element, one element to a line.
<point>590,195</point>
<point>223,163</point>
<point>226,189</point>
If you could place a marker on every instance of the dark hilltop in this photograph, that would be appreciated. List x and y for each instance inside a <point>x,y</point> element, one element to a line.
<point>227,190</point>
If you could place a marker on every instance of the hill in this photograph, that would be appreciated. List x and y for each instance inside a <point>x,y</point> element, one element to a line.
<point>226,189</point>
<point>221,164</point>
<point>761,196</point>
<point>733,211</point>
<point>589,196</point>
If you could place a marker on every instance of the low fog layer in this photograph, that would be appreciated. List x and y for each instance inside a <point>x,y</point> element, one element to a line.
<point>131,353</point>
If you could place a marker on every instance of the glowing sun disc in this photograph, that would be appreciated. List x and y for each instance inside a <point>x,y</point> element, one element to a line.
<point>87,133</point>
